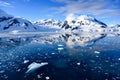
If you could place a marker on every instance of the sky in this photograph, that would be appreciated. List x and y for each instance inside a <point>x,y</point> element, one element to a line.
<point>107,11</point>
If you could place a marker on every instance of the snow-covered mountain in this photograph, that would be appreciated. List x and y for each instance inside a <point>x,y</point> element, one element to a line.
<point>84,22</point>
<point>10,23</point>
<point>48,23</point>
<point>113,28</point>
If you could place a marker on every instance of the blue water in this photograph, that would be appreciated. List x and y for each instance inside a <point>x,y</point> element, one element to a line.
<point>87,56</point>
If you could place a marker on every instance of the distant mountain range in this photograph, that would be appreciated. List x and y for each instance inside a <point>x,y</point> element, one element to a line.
<point>10,23</point>
<point>48,22</point>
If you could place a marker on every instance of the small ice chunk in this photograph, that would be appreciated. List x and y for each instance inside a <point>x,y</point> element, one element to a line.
<point>39,76</point>
<point>26,61</point>
<point>15,31</point>
<point>78,63</point>
<point>18,70</point>
<point>60,48</point>
<point>118,58</point>
<point>47,77</point>
<point>97,52</point>
<point>60,45</point>
<point>5,76</point>
<point>34,66</point>
<point>52,53</point>
<point>2,71</point>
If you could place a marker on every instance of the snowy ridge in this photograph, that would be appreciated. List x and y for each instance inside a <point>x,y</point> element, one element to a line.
<point>10,23</point>
<point>13,24</point>
<point>51,23</point>
<point>114,28</point>
<point>73,23</point>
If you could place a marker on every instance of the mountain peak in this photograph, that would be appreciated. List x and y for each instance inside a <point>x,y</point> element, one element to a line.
<point>82,21</point>
<point>85,17</point>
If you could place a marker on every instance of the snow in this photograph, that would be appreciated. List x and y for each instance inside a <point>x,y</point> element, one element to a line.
<point>70,18</point>
<point>14,24</point>
<point>84,22</point>
<point>49,23</point>
<point>34,66</point>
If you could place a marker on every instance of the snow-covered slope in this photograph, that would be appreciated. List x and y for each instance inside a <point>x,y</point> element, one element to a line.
<point>10,23</point>
<point>84,22</point>
<point>51,23</point>
<point>114,28</point>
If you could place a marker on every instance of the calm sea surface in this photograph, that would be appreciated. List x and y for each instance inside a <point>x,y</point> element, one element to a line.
<point>84,56</point>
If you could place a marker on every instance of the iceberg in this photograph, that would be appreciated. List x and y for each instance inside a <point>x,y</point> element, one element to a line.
<point>34,66</point>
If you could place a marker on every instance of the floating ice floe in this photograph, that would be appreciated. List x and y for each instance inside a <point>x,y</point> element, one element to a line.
<point>60,45</point>
<point>18,70</point>
<point>52,53</point>
<point>14,31</point>
<point>26,61</point>
<point>2,71</point>
<point>97,52</point>
<point>47,78</point>
<point>34,66</point>
<point>78,63</point>
<point>118,58</point>
<point>60,48</point>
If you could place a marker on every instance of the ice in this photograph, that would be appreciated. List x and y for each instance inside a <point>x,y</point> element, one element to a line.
<point>60,45</point>
<point>97,52</point>
<point>26,61</point>
<point>47,77</point>
<point>2,71</point>
<point>60,48</point>
<point>34,66</point>
<point>18,70</point>
<point>52,53</point>
<point>39,76</point>
<point>119,59</point>
<point>14,31</point>
<point>78,63</point>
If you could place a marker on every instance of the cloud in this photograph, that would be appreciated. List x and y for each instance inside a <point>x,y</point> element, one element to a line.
<point>5,4</point>
<point>95,7</point>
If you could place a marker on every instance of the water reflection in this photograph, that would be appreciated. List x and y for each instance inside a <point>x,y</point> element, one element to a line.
<point>82,39</point>
<point>71,40</point>
<point>95,57</point>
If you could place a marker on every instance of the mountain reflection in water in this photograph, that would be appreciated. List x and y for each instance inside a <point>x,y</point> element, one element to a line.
<point>69,56</point>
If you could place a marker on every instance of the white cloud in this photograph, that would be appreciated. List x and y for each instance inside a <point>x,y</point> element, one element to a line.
<point>95,7</point>
<point>6,4</point>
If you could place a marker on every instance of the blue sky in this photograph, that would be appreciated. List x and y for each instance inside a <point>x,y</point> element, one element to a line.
<point>107,11</point>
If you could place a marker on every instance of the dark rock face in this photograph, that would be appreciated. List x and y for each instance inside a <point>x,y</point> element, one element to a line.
<point>65,25</point>
<point>4,18</point>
